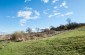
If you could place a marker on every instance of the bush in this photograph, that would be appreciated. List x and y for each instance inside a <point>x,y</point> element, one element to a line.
<point>67,26</point>
<point>18,36</point>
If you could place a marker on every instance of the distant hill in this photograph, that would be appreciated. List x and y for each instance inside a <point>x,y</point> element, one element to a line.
<point>67,43</point>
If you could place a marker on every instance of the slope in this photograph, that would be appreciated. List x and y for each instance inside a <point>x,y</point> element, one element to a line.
<point>68,43</point>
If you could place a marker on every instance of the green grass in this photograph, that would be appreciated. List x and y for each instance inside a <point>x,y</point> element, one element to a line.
<point>67,43</point>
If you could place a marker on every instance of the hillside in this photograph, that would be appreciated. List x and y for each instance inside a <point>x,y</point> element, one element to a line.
<point>67,43</point>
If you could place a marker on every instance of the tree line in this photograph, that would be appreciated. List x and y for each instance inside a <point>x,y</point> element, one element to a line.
<point>43,33</point>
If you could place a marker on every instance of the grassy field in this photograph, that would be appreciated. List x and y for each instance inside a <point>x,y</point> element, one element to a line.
<point>67,43</point>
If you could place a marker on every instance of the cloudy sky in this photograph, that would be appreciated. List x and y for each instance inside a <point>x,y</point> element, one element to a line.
<point>16,15</point>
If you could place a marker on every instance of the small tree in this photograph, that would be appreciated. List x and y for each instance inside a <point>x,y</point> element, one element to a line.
<point>53,28</point>
<point>68,20</point>
<point>29,30</point>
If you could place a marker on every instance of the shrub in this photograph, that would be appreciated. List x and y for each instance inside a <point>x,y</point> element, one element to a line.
<point>68,26</point>
<point>18,36</point>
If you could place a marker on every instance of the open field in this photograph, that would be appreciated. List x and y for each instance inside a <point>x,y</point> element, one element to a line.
<point>67,43</point>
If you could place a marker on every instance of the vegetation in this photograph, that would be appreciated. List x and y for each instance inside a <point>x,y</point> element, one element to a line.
<point>71,42</point>
<point>18,36</point>
<point>42,33</point>
<point>68,26</point>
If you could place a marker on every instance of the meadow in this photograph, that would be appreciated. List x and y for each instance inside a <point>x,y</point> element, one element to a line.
<point>67,43</point>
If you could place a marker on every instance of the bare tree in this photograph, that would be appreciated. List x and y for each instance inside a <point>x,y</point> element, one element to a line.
<point>68,20</point>
<point>29,30</point>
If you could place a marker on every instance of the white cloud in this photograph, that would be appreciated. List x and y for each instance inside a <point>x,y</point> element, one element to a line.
<point>45,1</point>
<point>50,16</point>
<point>69,13</point>
<point>62,15</point>
<point>55,7</point>
<point>54,1</point>
<point>56,12</point>
<point>64,4</point>
<point>23,21</point>
<point>26,15</point>
<point>37,13</point>
<point>27,0</point>
<point>27,8</point>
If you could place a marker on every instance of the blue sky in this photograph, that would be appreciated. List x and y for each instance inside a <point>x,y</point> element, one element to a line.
<point>17,15</point>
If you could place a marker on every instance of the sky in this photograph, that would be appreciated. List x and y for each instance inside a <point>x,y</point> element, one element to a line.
<point>18,15</point>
